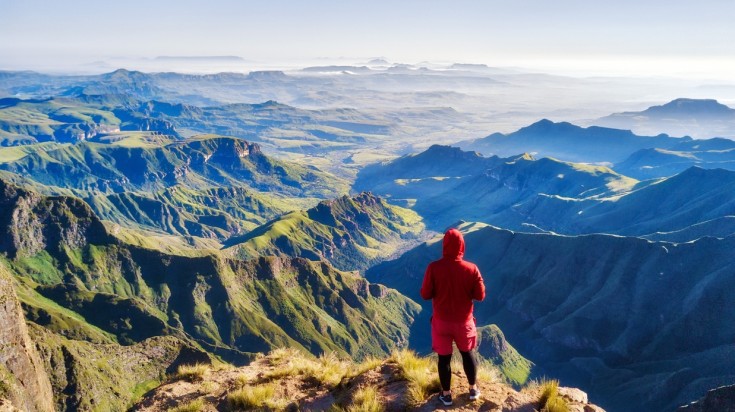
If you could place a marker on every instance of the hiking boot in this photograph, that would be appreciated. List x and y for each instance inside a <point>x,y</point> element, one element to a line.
<point>445,399</point>
<point>474,394</point>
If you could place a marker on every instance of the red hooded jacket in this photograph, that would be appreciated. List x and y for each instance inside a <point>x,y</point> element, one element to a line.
<point>453,283</point>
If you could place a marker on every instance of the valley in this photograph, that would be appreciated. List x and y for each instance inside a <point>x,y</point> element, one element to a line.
<point>154,220</point>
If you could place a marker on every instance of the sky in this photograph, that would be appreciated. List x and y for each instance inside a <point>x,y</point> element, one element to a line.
<point>622,36</point>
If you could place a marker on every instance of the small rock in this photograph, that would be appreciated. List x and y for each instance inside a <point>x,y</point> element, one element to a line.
<point>573,394</point>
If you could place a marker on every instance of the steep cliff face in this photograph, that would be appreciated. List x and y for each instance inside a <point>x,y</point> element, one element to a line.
<point>23,380</point>
<point>30,223</point>
<point>87,376</point>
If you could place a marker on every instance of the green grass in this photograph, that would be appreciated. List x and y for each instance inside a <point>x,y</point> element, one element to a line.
<point>144,387</point>
<point>42,268</point>
<point>135,139</point>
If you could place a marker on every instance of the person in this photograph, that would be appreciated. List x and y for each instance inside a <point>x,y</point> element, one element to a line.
<point>452,284</point>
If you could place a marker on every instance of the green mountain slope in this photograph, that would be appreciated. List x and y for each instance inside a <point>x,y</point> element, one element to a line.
<point>69,120</point>
<point>350,232</point>
<point>106,111</point>
<point>199,162</point>
<point>230,307</point>
<point>640,325</point>
<point>217,212</point>
<point>206,187</point>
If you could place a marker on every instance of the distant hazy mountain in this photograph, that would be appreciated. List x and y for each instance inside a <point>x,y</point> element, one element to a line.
<point>132,83</point>
<point>445,185</point>
<point>352,233</point>
<point>640,325</point>
<point>337,69</point>
<point>681,117</point>
<point>568,142</point>
<point>83,116</point>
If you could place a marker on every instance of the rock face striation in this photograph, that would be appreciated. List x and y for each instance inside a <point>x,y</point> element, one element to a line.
<point>30,223</point>
<point>23,381</point>
<point>716,400</point>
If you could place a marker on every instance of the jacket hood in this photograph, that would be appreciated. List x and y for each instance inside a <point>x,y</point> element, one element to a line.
<point>453,246</point>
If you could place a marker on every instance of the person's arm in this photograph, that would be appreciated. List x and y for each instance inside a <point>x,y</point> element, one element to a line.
<point>478,290</point>
<point>427,287</point>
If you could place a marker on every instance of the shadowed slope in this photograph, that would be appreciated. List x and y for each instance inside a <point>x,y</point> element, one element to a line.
<point>641,325</point>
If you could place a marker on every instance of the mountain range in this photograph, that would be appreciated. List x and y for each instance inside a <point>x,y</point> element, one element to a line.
<point>569,142</point>
<point>528,194</point>
<point>78,280</point>
<point>152,221</point>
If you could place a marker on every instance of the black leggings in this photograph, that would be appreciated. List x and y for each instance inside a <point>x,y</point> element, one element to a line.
<point>469,362</point>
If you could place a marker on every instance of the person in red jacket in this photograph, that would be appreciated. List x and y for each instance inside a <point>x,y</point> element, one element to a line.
<point>453,283</point>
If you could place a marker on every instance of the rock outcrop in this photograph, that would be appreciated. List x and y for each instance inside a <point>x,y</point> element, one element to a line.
<point>287,379</point>
<point>23,381</point>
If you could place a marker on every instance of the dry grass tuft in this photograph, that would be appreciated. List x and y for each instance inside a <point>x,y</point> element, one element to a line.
<point>366,399</point>
<point>419,372</point>
<point>364,366</point>
<point>328,369</point>
<point>549,400</point>
<point>259,396</point>
<point>192,373</point>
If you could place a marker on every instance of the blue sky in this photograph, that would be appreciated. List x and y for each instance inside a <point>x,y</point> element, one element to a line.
<point>506,32</point>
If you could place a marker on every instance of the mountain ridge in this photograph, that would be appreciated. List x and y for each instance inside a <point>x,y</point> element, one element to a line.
<point>350,232</point>
<point>566,141</point>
